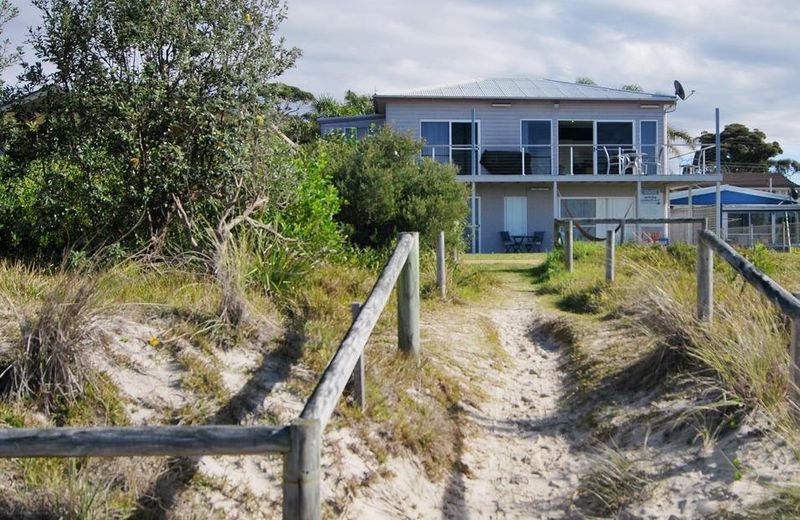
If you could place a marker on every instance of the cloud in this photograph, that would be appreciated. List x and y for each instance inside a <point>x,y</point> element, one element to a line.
<point>738,55</point>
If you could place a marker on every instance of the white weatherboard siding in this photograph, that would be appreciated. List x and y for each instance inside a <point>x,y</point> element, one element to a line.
<point>516,215</point>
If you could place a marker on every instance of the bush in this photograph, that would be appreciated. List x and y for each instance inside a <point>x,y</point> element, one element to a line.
<point>50,206</point>
<point>387,189</point>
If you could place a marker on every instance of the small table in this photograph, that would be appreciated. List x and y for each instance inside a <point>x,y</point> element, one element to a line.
<point>523,241</point>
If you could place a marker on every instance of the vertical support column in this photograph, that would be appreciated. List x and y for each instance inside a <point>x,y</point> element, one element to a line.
<point>359,377</point>
<point>441,273</point>
<point>636,228</point>
<point>556,227</point>
<point>794,365</point>
<point>568,246</point>
<point>610,251</point>
<point>408,302</point>
<point>705,279</point>
<point>301,472</point>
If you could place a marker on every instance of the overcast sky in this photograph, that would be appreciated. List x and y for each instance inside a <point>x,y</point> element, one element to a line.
<point>740,55</point>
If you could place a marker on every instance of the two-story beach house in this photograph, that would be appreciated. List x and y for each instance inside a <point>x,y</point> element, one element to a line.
<point>533,150</point>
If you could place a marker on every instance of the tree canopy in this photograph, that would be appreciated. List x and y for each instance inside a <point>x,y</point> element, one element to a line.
<point>743,149</point>
<point>150,101</point>
<point>353,105</point>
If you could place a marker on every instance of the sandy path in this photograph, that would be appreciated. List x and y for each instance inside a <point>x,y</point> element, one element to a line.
<point>520,464</point>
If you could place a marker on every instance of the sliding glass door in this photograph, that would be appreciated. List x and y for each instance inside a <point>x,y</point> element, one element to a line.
<point>575,147</point>
<point>614,142</point>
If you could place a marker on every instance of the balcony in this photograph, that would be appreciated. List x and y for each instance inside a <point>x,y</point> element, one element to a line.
<point>577,160</point>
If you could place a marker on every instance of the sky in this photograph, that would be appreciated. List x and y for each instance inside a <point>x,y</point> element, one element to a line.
<point>739,55</point>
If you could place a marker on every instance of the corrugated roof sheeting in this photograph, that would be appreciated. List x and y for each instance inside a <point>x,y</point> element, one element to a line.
<point>522,88</point>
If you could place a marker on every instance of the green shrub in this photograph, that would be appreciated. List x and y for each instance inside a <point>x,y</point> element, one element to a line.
<point>51,206</point>
<point>387,189</point>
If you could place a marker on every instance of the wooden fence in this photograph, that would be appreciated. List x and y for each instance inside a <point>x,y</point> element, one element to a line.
<point>709,244</point>
<point>611,235</point>
<point>299,442</point>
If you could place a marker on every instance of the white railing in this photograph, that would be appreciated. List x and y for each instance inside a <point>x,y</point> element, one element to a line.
<point>576,159</point>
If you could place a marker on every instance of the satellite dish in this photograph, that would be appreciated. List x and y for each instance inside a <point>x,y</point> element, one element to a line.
<point>680,92</point>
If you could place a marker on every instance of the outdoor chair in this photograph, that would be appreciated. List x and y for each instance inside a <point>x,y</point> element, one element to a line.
<point>536,241</point>
<point>509,243</point>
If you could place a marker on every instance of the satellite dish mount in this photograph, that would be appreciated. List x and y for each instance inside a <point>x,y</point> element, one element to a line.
<point>680,92</point>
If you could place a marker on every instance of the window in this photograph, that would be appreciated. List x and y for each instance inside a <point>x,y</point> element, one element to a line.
<point>536,151</point>
<point>450,141</point>
<point>649,137</point>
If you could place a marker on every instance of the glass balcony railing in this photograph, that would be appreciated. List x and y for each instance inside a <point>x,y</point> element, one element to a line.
<point>576,159</point>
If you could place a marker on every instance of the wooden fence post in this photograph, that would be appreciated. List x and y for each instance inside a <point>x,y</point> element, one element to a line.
<point>568,246</point>
<point>794,365</point>
<point>705,278</point>
<point>610,250</point>
<point>359,379</point>
<point>556,229</point>
<point>441,273</point>
<point>301,472</point>
<point>408,302</point>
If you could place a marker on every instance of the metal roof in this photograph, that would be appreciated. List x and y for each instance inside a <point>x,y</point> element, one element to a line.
<point>526,88</point>
<point>728,195</point>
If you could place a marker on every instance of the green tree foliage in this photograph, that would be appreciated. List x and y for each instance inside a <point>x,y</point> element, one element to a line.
<point>387,189</point>
<point>743,149</point>
<point>353,105</point>
<point>7,13</point>
<point>585,80</point>
<point>175,96</point>
<point>785,166</point>
<point>632,87</point>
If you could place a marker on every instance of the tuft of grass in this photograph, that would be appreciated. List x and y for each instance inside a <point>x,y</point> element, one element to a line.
<point>785,505</point>
<point>49,365</point>
<point>614,482</point>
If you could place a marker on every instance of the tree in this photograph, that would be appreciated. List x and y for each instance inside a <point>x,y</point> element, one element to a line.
<point>584,80</point>
<point>784,166</point>
<point>353,105</point>
<point>170,98</point>
<point>743,149</point>
<point>386,189</point>
<point>632,87</point>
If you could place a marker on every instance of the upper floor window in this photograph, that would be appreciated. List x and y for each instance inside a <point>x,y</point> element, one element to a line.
<point>537,154</point>
<point>450,141</point>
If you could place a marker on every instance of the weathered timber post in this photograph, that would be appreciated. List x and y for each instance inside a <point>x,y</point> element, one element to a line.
<point>610,250</point>
<point>441,274</point>
<point>556,228</point>
<point>359,379</point>
<point>568,246</point>
<point>705,278</point>
<point>794,365</point>
<point>408,302</point>
<point>301,472</point>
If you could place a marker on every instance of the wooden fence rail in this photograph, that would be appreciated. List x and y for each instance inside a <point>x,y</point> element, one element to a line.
<point>143,441</point>
<point>299,442</point>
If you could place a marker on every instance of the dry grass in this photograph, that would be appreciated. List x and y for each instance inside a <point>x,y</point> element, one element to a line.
<point>49,364</point>
<point>614,482</point>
